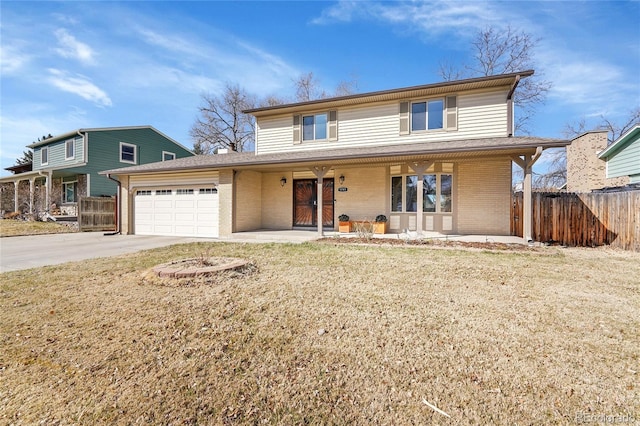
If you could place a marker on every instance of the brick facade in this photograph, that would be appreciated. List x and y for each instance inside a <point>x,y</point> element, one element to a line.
<point>585,171</point>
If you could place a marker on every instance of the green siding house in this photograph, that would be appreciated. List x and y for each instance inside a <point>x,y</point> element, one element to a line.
<point>68,164</point>
<point>623,156</point>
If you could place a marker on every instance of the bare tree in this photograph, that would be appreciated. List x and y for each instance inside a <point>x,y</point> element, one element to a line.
<point>308,88</point>
<point>502,52</point>
<point>222,123</point>
<point>556,174</point>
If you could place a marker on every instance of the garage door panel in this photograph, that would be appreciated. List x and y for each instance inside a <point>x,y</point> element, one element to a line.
<point>163,204</point>
<point>184,214</point>
<point>185,204</point>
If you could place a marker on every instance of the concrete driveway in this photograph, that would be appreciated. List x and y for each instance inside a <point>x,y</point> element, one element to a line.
<point>34,251</point>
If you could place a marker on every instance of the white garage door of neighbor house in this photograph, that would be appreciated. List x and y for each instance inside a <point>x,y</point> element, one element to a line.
<point>189,212</point>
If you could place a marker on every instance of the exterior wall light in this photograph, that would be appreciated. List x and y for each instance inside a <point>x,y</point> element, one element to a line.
<point>341,179</point>
<point>283,181</point>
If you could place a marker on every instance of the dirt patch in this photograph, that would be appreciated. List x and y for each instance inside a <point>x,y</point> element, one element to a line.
<point>197,266</point>
<point>435,243</point>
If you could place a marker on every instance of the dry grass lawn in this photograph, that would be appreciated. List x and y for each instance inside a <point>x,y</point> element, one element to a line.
<point>325,334</point>
<point>13,227</point>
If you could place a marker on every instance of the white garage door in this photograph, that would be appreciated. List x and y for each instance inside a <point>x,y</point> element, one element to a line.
<point>188,212</point>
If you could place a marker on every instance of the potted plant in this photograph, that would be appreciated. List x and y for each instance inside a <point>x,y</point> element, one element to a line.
<point>343,223</point>
<point>380,224</point>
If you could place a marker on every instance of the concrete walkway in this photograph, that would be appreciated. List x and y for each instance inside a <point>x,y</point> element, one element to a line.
<point>17,253</point>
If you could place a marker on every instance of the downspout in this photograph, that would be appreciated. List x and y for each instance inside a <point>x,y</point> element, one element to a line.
<point>118,192</point>
<point>510,106</point>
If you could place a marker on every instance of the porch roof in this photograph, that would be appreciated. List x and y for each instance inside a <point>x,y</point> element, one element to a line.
<point>368,154</point>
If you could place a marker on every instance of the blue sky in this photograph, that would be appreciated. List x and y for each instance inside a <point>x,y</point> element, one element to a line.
<point>70,65</point>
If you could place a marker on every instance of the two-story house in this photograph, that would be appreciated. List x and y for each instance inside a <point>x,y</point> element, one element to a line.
<point>66,167</point>
<point>434,159</point>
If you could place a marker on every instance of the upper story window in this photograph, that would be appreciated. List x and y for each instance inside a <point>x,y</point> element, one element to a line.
<point>69,149</point>
<point>128,153</point>
<point>44,156</point>
<point>427,115</point>
<point>314,127</point>
<point>322,126</point>
<point>166,156</point>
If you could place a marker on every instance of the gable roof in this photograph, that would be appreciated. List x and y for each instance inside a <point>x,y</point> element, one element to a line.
<point>499,80</point>
<point>369,154</point>
<point>624,140</point>
<point>79,132</point>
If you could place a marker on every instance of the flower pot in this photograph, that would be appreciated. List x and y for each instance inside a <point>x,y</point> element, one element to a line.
<point>380,227</point>
<point>344,226</point>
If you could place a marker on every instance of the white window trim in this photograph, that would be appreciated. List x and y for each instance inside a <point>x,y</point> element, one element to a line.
<point>170,153</point>
<point>64,192</point>
<point>66,149</point>
<point>427,129</point>
<point>135,153</point>
<point>44,149</point>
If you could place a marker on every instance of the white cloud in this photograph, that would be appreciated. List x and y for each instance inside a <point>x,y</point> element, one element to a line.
<point>12,59</point>
<point>78,85</point>
<point>431,18</point>
<point>69,47</point>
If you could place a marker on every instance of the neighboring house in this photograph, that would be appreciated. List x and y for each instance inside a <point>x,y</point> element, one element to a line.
<point>591,165</point>
<point>434,159</point>
<point>66,167</point>
<point>622,157</point>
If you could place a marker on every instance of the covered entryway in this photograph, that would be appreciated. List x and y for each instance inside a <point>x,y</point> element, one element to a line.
<point>187,212</point>
<point>305,204</point>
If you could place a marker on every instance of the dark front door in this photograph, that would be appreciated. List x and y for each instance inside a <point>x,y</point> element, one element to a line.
<point>305,202</point>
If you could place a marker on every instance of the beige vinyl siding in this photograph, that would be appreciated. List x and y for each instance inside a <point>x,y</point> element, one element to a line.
<point>248,201</point>
<point>480,114</point>
<point>173,180</point>
<point>483,197</point>
<point>274,135</point>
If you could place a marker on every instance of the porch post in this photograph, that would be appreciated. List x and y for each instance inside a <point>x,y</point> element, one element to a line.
<point>319,207</point>
<point>32,182</point>
<point>526,200</point>
<point>526,162</point>
<point>320,172</point>
<point>47,191</point>
<point>16,185</point>
<point>420,168</point>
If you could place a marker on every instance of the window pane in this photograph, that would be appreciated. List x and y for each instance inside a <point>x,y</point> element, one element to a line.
<point>436,109</point>
<point>127,153</point>
<point>307,128</point>
<point>445,193</point>
<point>69,192</point>
<point>44,156</point>
<point>429,193</point>
<point>412,193</point>
<point>419,116</point>
<point>321,126</point>
<point>69,149</point>
<point>168,156</point>
<point>396,194</point>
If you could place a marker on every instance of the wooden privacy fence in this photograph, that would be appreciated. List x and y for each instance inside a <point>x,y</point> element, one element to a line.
<point>97,214</point>
<point>587,220</point>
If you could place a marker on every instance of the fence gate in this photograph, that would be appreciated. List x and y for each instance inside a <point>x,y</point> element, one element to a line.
<point>97,214</point>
